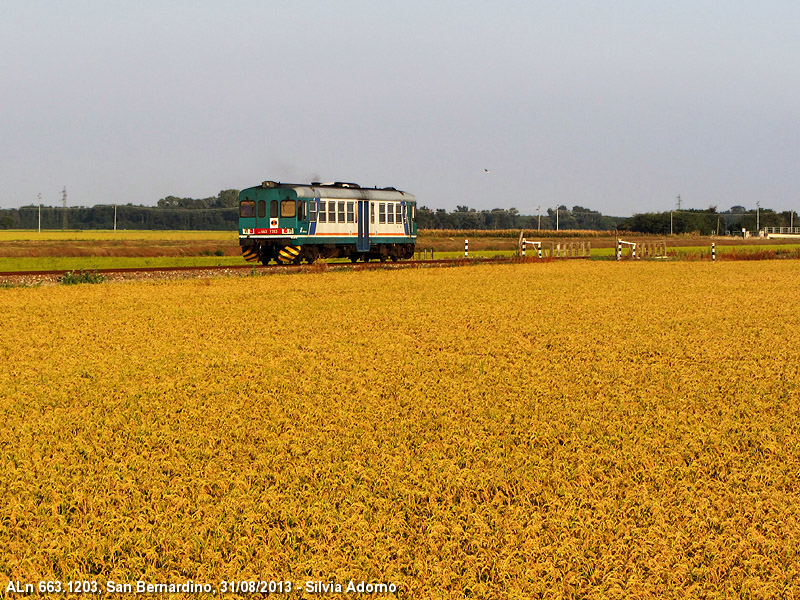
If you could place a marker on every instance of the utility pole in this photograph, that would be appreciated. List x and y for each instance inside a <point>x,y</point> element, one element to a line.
<point>539,210</point>
<point>670,214</point>
<point>758,216</point>
<point>40,213</point>
<point>64,214</point>
<point>556,219</point>
<point>115,217</point>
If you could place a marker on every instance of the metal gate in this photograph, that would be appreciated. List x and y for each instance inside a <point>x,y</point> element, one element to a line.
<point>362,243</point>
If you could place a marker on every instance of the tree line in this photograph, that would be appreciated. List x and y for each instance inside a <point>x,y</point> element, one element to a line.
<point>216,213</point>
<point>500,218</point>
<point>709,221</point>
<point>220,213</point>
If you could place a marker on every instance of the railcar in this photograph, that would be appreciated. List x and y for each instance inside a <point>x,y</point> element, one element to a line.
<point>290,223</point>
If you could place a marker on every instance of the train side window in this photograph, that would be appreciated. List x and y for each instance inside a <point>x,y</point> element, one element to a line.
<point>247,209</point>
<point>351,215</point>
<point>413,212</point>
<point>331,211</point>
<point>301,210</point>
<point>340,212</point>
<point>288,208</point>
<point>312,211</point>
<point>323,211</point>
<point>273,209</point>
<point>398,213</point>
<point>381,213</point>
<point>262,209</point>
<point>372,213</point>
<point>390,213</point>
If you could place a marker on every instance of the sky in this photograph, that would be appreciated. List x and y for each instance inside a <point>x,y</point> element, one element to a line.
<point>616,106</point>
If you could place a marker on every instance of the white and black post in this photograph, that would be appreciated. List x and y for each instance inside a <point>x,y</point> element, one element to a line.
<point>466,248</point>
<point>713,252</point>
<point>524,242</point>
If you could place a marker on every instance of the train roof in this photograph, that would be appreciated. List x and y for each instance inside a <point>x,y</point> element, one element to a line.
<point>340,190</point>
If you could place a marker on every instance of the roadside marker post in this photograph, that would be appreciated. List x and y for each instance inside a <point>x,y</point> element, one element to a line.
<point>466,248</point>
<point>713,252</point>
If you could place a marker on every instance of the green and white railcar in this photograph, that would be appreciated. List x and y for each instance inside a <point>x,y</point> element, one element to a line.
<point>290,223</point>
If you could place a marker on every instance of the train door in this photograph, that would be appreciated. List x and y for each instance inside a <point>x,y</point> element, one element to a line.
<point>288,214</point>
<point>302,216</point>
<point>362,242</point>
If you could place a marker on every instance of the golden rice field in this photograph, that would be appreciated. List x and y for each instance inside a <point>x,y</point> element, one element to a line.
<point>556,430</point>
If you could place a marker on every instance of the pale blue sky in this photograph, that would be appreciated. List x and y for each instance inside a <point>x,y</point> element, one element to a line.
<point>617,106</point>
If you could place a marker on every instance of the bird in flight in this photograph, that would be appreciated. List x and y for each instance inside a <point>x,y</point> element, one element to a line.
<point>487,171</point>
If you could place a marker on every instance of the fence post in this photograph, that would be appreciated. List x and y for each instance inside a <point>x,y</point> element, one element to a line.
<point>539,248</point>
<point>713,252</point>
<point>619,251</point>
<point>466,248</point>
<point>523,247</point>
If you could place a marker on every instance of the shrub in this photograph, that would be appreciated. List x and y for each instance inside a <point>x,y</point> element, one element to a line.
<point>70,277</point>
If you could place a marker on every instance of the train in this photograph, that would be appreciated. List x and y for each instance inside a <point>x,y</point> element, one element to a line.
<point>290,223</point>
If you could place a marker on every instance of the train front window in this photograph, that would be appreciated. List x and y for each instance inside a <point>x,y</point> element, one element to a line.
<point>273,209</point>
<point>262,209</point>
<point>301,210</point>
<point>247,209</point>
<point>288,208</point>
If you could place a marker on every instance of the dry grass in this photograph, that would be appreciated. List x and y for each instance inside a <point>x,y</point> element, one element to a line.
<point>94,235</point>
<point>541,430</point>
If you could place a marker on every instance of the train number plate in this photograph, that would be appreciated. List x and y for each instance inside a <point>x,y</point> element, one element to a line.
<point>273,231</point>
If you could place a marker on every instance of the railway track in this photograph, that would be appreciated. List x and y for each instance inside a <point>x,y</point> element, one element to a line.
<point>210,270</point>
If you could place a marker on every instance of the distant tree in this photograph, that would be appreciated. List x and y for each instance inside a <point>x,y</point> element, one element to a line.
<point>228,199</point>
<point>169,202</point>
<point>425,218</point>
